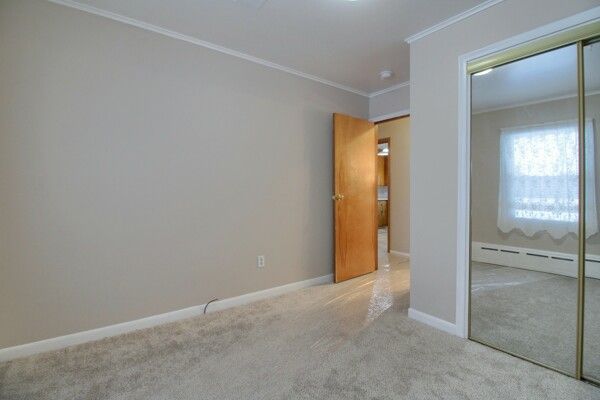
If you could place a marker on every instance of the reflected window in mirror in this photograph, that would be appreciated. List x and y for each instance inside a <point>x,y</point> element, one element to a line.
<point>539,179</point>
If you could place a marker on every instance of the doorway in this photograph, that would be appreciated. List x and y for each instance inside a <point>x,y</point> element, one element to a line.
<point>383,198</point>
<point>371,225</point>
<point>395,189</point>
<point>354,197</point>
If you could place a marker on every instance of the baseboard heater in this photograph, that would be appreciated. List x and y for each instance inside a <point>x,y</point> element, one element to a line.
<point>534,260</point>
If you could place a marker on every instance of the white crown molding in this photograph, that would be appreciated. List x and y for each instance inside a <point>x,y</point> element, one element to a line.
<point>390,89</point>
<point>452,20</point>
<point>73,339</point>
<point>533,102</point>
<point>221,49</point>
<point>202,43</point>
<point>398,114</point>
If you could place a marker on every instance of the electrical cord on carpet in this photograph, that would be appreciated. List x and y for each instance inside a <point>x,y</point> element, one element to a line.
<point>206,306</point>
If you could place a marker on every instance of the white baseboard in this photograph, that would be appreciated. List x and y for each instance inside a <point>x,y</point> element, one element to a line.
<point>535,260</point>
<point>430,320</point>
<point>24,350</point>
<point>399,253</point>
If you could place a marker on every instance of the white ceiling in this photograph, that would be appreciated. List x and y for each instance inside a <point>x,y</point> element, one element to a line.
<point>543,77</point>
<point>347,42</point>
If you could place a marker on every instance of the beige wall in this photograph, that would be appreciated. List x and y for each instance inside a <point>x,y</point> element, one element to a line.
<point>390,103</point>
<point>141,174</point>
<point>485,151</point>
<point>434,138</point>
<point>399,133</point>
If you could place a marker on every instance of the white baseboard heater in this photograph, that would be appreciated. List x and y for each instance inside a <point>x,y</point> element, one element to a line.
<point>533,259</point>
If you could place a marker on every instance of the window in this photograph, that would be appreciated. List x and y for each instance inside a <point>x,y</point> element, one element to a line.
<point>539,174</point>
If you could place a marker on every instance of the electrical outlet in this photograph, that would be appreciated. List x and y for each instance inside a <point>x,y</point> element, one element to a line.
<point>260,261</point>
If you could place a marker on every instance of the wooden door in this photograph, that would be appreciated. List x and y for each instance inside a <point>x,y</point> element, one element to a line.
<point>382,162</point>
<point>382,213</point>
<point>355,196</point>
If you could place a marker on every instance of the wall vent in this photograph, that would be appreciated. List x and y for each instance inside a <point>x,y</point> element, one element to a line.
<point>537,255</point>
<point>562,258</point>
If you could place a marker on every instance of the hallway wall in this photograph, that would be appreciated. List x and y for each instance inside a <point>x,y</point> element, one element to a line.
<point>390,104</point>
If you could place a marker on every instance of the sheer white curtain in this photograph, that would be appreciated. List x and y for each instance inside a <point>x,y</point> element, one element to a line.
<point>539,179</point>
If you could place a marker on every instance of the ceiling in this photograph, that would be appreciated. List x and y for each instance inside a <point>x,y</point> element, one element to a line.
<point>343,41</point>
<point>540,78</point>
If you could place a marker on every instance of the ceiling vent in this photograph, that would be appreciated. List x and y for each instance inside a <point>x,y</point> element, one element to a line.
<point>256,4</point>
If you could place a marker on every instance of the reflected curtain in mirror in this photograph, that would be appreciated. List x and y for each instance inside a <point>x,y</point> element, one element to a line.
<point>539,172</point>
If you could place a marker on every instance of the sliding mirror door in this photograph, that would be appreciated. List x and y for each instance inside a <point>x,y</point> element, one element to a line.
<point>525,208</point>
<point>591,337</point>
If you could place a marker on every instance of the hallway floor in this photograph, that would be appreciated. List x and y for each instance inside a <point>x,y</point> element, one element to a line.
<point>347,341</point>
<point>382,245</point>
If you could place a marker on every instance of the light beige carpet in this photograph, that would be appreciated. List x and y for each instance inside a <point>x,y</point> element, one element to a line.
<point>346,341</point>
<point>534,314</point>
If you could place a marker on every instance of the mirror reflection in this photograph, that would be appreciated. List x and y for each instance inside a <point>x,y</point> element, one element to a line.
<point>524,207</point>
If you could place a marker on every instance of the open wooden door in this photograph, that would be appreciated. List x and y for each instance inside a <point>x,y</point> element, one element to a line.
<point>354,196</point>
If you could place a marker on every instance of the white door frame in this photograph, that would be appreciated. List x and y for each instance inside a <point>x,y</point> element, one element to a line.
<point>464,156</point>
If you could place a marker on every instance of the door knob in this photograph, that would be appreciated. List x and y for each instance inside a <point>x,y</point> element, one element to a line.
<point>338,197</point>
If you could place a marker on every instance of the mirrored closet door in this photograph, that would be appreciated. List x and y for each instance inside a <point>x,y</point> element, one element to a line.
<point>525,208</point>
<point>534,267</point>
